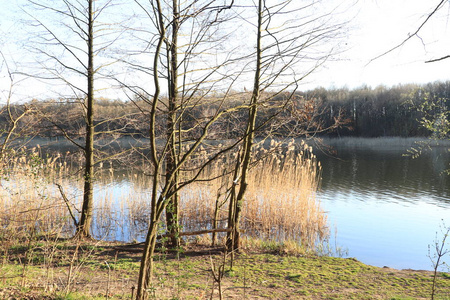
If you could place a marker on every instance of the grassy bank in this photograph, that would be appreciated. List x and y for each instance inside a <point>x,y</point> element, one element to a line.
<point>67,270</point>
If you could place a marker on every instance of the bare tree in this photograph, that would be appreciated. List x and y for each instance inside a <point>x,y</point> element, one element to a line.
<point>173,102</point>
<point>175,162</point>
<point>284,49</point>
<point>192,58</point>
<point>67,42</point>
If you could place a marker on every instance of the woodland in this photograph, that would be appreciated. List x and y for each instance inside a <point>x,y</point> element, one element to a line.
<point>363,112</point>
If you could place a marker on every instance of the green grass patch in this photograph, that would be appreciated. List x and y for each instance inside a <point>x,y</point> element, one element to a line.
<point>189,276</point>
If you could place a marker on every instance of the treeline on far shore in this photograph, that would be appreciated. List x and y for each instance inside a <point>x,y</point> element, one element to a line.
<point>362,112</point>
<point>383,111</point>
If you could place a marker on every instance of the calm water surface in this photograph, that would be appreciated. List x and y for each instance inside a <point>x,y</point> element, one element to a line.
<point>386,207</point>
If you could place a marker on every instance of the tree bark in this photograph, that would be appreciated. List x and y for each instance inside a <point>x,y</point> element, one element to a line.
<point>146,269</point>
<point>233,238</point>
<point>172,159</point>
<point>84,226</point>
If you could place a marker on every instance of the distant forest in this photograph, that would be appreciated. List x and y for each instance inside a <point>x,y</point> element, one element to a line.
<point>363,112</point>
<point>382,111</point>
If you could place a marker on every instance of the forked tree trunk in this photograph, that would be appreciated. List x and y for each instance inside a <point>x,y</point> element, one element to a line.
<point>146,268</point>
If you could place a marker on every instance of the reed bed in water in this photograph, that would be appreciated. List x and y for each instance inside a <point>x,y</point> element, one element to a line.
<point>280,203</point>
<point>30,201</point>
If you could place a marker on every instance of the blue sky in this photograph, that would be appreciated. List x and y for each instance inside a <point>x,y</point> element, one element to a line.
<point>375,26</point>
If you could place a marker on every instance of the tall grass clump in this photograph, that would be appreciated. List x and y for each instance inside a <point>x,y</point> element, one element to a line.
<point>280,203</point>
<point>41,195</point>
<point>29,203</point>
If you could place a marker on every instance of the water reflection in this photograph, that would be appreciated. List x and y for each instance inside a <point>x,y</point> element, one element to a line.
<point>387,207</point>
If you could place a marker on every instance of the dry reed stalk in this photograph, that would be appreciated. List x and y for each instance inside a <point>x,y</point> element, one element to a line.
<point>280,202</point>
<point>29,202</point>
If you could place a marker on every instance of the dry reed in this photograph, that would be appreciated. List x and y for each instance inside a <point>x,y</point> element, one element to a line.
<point>280,203</point>
<point>29,203</point>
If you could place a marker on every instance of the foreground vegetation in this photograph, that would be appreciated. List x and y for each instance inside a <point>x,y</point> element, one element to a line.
<point>201,127</point>
<point>99,270</point>
<point>41,200</point>
<point>35,265</point>
<point>41,194</point>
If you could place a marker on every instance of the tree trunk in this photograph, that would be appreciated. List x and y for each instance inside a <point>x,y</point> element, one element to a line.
<point>84,226</point>
<point>172,159</point>
<point>233,238</point>
<point>146,269</point>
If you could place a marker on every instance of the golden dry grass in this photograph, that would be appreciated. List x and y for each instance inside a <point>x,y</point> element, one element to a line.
<point>280,204</point>
<point>30,203</point>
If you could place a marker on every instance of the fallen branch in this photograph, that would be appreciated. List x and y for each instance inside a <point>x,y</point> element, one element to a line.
<point>189,233</point>
<point>66,200</point>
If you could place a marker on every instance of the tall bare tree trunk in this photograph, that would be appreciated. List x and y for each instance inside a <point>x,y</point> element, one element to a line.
<point>84,226</point>
<point>172,158</point>
<point>146,268</point>
<point>233,238</point>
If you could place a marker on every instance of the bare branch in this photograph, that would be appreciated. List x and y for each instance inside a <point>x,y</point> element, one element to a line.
<point>437,59</point>
<point>69,208</point>
<point>415,33</point>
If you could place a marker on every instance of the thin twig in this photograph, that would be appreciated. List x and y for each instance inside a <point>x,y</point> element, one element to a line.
<point>437,59</point>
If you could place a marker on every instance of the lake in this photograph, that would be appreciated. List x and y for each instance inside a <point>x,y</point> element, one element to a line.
<point>386,207</point>
<point>383,207</point>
